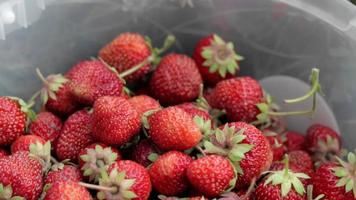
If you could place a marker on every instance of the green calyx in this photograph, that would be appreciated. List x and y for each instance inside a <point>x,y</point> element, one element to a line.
<point>145,116</point>
<point>204,126</point>
<point>269,110</point>
<point>42,152</point>
<point>228,142</point>
<point>326,150</point>
<point>221,57</point>
<point>6,193</point>
<point>51,85</point>
<point>346,173</point>
<point>310,194</point>
<point>287,179</point>
<point>26,107</point>
<point>96,160</point>
<point>120,187</point>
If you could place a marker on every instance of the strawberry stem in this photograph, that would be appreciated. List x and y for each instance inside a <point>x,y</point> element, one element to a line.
<point>250,189</point>
<point>200,150</point>
<point>98,187</point>
<point>286,164</point>
<point>54,160</point>
<point>132,70</point>
<point>40,75</point>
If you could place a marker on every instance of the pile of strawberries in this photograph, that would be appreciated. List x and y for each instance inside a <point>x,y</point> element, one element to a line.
<point>133,124</point>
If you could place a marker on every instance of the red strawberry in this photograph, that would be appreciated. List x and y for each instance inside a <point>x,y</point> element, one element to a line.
<point>323,142</point>
<point>12,120</point>
<point>23,143</point>
<point>96,157</point>
<point>246,147</point>
<point>238,97</point>
<point>282,185</point>
<point>294,141</point>
<point>20,175</point>
<point>115,120</point>
<point>301,159</point>
<point>91,80</point>
<point>3,153</point>
<point>143,103</point>
<point>67,190</point>
<point>216,59</point>
<point>176,80</point>
<point>61,172</point>
<point>194,110</point>
<point>130,180</point>
<point>126,51</point>
<point>56,95</point>
<point>75,135</point>
<point>142,151</point>
<point>211,175</point>
<point>336,180</point>
<point>276,144</point>
<point>47,126</point>
<point>168,173</point>
<point>173,129</point>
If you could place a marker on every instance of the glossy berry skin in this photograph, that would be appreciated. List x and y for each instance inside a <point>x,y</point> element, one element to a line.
<point>294,141</point>
<point>194,110</point>
<point>126,51</point>
<point>67,190</point>
<point>173,129</point>
<point>303,160</point>
<point>268,192</point>
<point>116,121</point>
<point>324,182</point>
<point>47,126</point>
<point>23,143</point>
<point>258,159</point>
<point>142,150</point>
<point>12,121</point>
<point>75,135</point>
<point>67,173</point>
<point>277,147</point>
<point>210,175</point>
<point>64,104</point>
<point>209,78</point>
<point>143,103</point>
<point>238,96</point>
<point>142,186</point>
<point>91,80</point>
<point>318,132</point>
<point>168,173</point>
<point>3,153</point>
<point>176,80</point>
<point>23,173</point>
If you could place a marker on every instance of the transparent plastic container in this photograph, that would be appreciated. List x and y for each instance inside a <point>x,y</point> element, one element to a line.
<point>277,37</point>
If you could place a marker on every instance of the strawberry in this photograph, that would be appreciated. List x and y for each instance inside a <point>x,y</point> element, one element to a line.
<point>46,125</point>
<point>20,175</point>
<point>301,159</point>
<point>173,129</point>
<point>323,142</point>
<point>142,151</point>
<point>176,80</point>
<point>168,173</point>
<point>75,135</point>
<point>276,144</point>
<point>245,146</point>
<point>12,120</point>
<point>282,184</point>
<point>211,175</point>
<point>126,51</point>
<point>115,120</point>
<point>238,96</point>
<point>3,153</point>
<point>125,179</point>
<point>96,157</point>
<point>56,94</point>
<point>143,103</point>
<point>193,110</point>
<point>294,141</point>
<point>91,80</point>
<point>23,142</point>
<point>216,59</point>
<point>61,172</point>
<point>336,180</point>
<point>67,190</point>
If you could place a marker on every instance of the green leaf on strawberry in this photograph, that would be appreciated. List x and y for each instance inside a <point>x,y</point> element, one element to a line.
<point>346,173</point>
